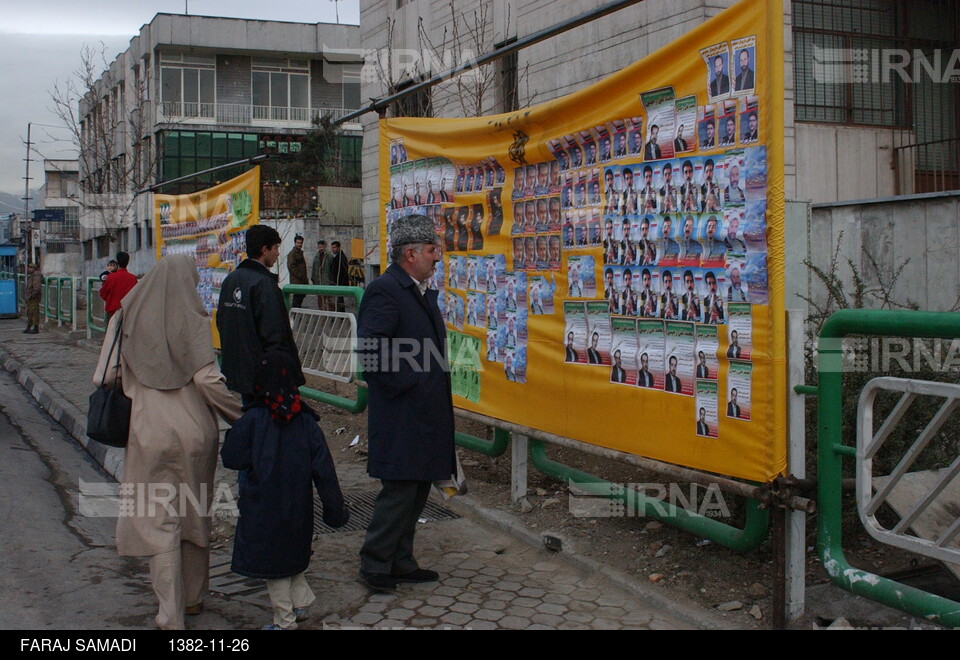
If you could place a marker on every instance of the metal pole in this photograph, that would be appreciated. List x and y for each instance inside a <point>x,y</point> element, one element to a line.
<point>684,474</point>
<point>520,44</point>
<point>26,202</point>
<point>779,539</point>
<point>518,467</point>
<point>796,522</point>
<point>74,285</point>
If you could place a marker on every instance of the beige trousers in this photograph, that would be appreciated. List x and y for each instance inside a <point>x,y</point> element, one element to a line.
<point>180,577</point>
<point>287,594</point>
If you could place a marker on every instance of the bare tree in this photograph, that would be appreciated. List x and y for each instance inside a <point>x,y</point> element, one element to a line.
<point>469,36</point>
<point>108,117</point>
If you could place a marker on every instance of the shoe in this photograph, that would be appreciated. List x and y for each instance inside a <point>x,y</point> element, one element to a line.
<point>273,626</point>
<point>193,609</point>
<point>417,576</point>
<point>27,331</point>
<point>380,582</point>
<point>303,614</point>
<point>35,330</point>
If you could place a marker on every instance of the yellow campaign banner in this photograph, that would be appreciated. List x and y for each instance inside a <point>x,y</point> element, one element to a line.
<point>209,225</point>
<point>615,257</point>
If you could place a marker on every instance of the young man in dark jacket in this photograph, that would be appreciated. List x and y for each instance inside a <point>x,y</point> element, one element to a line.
<point>251,316</point>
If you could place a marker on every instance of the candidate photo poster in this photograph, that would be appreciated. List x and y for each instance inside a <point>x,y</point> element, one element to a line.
<point>749,119</point>
<point>707,347</point>
<point>581,280</point>
<point>685,135</point>
<point>601,333</point>
<point>707,408</point>
<point>739,331</point>
<point>661,123</point>
<point>716,59</point>
<point>650,350</point>
<point>744,54</point>
<point>623,370</point>
<point>739,390</point>
<point>542,291</point>
<point>575,332</point>
<point>678,355</point>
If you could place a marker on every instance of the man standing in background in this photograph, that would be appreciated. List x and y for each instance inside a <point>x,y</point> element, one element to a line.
<point>33,294</point>
<point>318,272</point>
<point>297,268</point>
<point>338,271</point>
<point>117,285</point>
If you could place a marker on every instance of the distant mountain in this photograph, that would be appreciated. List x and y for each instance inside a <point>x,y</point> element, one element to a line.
<point>14,204</point>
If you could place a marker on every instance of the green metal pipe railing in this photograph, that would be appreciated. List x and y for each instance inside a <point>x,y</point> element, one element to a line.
<point>22,292</point>
<point>92,321</point>
<point>831,450</point>
<point>350,405</point>
<point>48,284</point>
<point>741,540</point>
<point>65,312</point>
<point>497,447</point>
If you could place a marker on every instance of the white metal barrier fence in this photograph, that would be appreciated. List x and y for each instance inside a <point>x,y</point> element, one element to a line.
<point>926,501</point>
<point>327,342</point>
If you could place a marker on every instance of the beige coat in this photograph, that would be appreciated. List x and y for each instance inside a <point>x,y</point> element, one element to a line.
<point>171,457</point>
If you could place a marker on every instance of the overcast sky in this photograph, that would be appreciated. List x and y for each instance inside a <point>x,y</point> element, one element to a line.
<point>40,44</point>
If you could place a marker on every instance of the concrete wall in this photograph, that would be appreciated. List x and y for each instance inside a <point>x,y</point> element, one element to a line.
<point>65,263</point>
<point>918,232</point>
<point>845,162</point>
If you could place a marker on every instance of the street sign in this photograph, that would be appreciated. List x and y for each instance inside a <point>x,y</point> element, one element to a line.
<point>49,215</point>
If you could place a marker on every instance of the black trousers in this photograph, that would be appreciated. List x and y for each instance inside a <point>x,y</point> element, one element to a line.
<point>388,545</point>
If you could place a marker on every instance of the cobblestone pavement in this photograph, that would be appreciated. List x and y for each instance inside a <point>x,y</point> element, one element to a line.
<point>489,579</point>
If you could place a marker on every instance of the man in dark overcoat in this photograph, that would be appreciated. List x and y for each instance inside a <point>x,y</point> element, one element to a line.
<point>402,351</point>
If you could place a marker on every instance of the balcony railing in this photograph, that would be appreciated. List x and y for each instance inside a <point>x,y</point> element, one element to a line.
<point>243,115</point>
<point>928,166</point>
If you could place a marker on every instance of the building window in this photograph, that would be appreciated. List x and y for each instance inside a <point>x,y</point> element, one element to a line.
<point>829,85</point>
<point>188,152</point>
<point>103,246</point>
<point>281,89</point>
<point>842,55</point>
<point>418,104</point>
<point>188,85</point>
<point>351,86</point>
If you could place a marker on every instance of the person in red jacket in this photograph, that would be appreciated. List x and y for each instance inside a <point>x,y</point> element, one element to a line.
<point>117,285</point>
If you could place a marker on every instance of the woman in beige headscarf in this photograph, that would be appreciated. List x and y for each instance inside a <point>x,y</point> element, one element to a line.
<point>168,370</point>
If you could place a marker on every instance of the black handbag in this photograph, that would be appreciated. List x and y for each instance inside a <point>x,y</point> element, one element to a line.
<point>108,415</point>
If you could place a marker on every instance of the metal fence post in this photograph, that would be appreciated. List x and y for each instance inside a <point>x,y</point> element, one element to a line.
<point>74,285</point>
<point>796,523</point>
<point>519,458</point>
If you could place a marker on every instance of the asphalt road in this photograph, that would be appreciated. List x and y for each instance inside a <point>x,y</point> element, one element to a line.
<point>58,567</point>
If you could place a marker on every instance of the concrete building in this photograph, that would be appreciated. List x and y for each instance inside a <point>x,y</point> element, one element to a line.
<point>884,136</point>
<point>60,241</point>
<point>195,92</point>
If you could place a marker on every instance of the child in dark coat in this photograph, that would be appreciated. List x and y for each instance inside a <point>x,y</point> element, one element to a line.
<point>283,449</point>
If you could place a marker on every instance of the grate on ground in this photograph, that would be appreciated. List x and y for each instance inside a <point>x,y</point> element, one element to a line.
<point>361,510</point>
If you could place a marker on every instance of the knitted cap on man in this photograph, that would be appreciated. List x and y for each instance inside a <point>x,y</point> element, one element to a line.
<point>412,229</point>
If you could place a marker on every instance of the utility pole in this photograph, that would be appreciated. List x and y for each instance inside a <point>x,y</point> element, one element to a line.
<point>26,201</point>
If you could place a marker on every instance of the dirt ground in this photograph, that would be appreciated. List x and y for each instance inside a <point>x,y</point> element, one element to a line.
<point>687,565</point>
